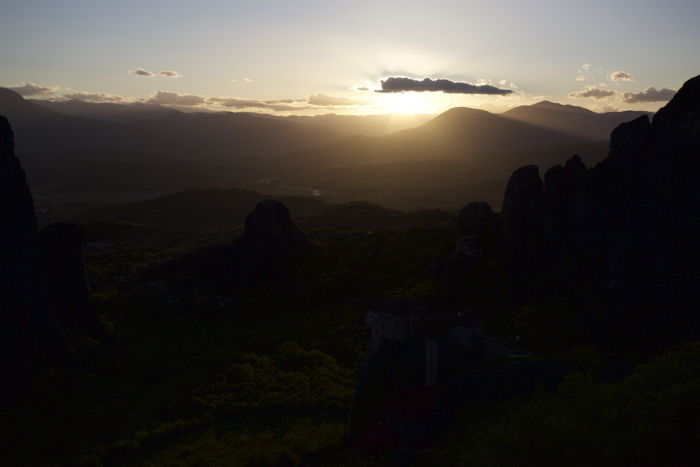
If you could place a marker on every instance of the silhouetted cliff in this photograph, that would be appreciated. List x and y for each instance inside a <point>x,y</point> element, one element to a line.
<point>626,229</point>
<point>30,335</point>
<point>62,249</point>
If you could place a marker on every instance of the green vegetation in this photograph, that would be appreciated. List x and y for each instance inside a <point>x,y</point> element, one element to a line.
<point>649,418</point>
<point>269,378</point>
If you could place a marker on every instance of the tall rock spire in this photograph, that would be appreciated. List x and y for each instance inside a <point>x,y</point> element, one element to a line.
<point>29,334</point>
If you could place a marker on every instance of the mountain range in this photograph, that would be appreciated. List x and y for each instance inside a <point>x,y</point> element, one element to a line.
<point>141,147</point>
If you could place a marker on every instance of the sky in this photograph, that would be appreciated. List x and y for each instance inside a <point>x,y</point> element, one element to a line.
<point>308,57</point>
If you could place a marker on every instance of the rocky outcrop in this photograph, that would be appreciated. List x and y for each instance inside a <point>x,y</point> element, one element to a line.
<point>522,197</point>
<point>630,139</point>
<point>628,226</point>
<point>472,221</point>
<point>29,334</point>
<point>523,218</point>
<point>62,248</point>
<point>270,226</point>
<point>270,240</point>
<point>677,125</point>
<point>565,203</point>
<point>262,255</point>
<point>472,218</point>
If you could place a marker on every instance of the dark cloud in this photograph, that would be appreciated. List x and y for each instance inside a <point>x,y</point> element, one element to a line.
<point>649,95</point>
<point>142,72</point>
<point>401,84</point>
<point>93,97</point>
<point>323,99</point>
<point>592,92</point>
<point>170,74</point>
<point>167,97</point>
<point>32,89</point>
<point>621,76</point>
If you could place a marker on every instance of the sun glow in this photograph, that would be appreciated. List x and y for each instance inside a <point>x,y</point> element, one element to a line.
<point>409,103</point>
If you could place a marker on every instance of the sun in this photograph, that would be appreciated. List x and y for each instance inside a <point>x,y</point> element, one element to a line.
<point>408,103</point>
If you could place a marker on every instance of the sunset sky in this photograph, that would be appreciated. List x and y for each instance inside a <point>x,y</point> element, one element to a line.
<point>307,57</point>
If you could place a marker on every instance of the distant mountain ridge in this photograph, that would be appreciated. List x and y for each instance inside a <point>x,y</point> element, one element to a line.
<point>469,135</point>
<point>139,147</point>
<point>571,119</point>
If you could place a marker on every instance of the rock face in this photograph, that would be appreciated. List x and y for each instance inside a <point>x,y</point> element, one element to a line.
<point>270,239</point>
<point>30,335</point>
<point>472,221</point>
<point>630,138</point>
<point>270,226</point>
<point>262,255</point>
<point>629,224</point>
<point>524,224</point>
<point>62,248</point>
<point>523,192</point>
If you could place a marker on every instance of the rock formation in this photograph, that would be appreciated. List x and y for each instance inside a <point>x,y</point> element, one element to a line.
<point>524,223</point>
<point>62,247</point>
<point>270,226</point>
<point>270,239</point>
<point>262,255</point>
<point>472,221</point>
<point>30,335</point>
<point>628,226</point>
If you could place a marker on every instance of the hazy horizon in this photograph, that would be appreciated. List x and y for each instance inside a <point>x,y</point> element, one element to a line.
<point>373,58</point>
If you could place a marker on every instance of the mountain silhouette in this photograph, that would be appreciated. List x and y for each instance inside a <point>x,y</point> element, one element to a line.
<point>463,134</point>
<point>571,119</point>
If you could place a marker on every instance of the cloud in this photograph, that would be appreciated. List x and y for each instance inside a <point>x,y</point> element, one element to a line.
<point>586,66</point>
<point>315,101</point>
<point>170,74</point>
<point>580,78</point>
<point>32,89</point>
<point>142,72</point>
<point>247,80</point>
<point>503,82</point>
<point>621,76</point>
<point>649,95</point>
<point>280,105</point>
<point>167,97</point>
<point>93,97</point>
<point>284,101</point>
<point>592,92</point>
<point>323,99</point>
<point>401,84</point>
